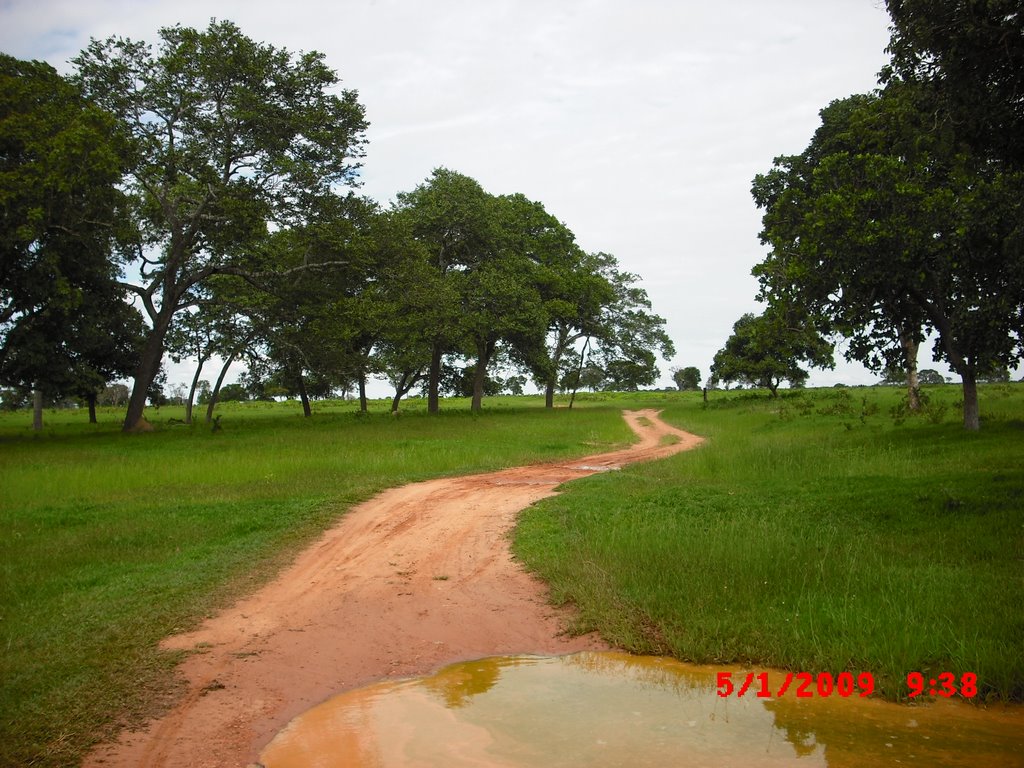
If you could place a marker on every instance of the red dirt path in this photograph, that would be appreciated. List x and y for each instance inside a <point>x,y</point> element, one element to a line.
<point>409,581</point>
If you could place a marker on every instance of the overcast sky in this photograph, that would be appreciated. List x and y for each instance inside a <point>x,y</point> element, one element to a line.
<point>640,125</point>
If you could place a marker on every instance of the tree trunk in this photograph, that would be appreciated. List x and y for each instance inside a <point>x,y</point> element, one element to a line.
<point>909,344</point>
<point>192,391</point>
<point>972,415</point>
<point>556,358</point>
<point>434,380</point>
<point>304,396</point>
<point>579,372</point>
<point>37,410</point>
<point>484,351</point>
<point>91,400</point>
<point>402,387</point>
<point>362,392</point>
<point>216,388</point>
<point>958,361</point>
<point>145,372</point>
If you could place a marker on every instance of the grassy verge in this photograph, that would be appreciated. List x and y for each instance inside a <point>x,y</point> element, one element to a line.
<point>813,533</point>
<point>108,543</point>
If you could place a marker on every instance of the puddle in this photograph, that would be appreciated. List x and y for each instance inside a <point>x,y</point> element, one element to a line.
<point>611,709</point>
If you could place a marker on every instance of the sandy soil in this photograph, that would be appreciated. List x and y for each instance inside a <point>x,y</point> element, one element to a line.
<point>414,579</point>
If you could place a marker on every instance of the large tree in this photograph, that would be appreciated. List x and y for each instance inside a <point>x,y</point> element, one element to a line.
<point>971,55</point>
<point>455,221</point>
<point>889,224</point>
<point>231,138</point>
<point>65,328</point>
<point>575,289</point>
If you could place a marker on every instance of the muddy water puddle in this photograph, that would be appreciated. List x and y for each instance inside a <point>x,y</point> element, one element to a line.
<point>611,709</point>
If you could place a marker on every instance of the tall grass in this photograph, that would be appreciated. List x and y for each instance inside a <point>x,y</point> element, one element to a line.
<point>108,542</point>
<point>813,533</point>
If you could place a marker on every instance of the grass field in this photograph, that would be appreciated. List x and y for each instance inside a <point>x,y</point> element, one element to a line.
<point>108,542</point>
<point>812,533</point>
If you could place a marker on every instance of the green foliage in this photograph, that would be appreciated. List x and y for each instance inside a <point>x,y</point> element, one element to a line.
<point>972,56</point>
<point>230,138</point>
<point>889,224</point>
<point>497,275</point>
<point>930,376</point>
<point>765,350</point>
<point>65,328</point>
<point>809,533</point>
<point>687,378</point>
<point>233,393</point>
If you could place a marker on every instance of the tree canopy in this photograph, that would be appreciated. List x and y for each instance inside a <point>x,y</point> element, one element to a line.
<point>208,181</point>
<point>765,350</point>
<point>229,139</point>
<point>888,226</point>
<point>64,324</point>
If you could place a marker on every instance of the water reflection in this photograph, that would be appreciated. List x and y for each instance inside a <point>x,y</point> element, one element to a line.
<point>611,709</point>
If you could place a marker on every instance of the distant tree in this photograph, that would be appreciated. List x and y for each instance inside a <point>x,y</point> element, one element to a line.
<point>12,399</point>
<point>515,385</point>
<point>587,376</point>
<point>574,289</point>
<point>998,376</point>
<point>767,349</point>
<point>114,395</point>
<point>155,394</point>
<point>501,303</point>
<point>233,393</point>
<point>628,336</point>
<point>203,390</point>
<point>929,376</point>
<point>686,378</point>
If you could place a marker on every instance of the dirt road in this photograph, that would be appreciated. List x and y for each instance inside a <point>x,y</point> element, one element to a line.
<point>416,578</point>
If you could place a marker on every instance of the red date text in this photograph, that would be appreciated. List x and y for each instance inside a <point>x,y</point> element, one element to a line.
<point>802,684</point>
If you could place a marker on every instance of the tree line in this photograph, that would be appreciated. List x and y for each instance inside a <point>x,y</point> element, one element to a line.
<point>197,199</point>
<point>904,216</point>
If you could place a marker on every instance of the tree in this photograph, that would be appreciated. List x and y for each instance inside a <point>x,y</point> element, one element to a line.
<point>686,378</point>
<point>114,394</point>
<point>888,225</point>
<point>229,135</point>
<point>765,350</point>
<point>573,288</point>
<point>971,55</point>
<point>627,336</point>
<point>454,220</point>
<point>233,393</point>
<point>930,376</point>
<point>884,328</point>
<point>65,328</point>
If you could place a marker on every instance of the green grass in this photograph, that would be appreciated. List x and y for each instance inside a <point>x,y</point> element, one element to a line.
<point>811,533</point>
<point>108,543</point>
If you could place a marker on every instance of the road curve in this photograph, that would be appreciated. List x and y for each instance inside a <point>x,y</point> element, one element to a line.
<point>413,579</point>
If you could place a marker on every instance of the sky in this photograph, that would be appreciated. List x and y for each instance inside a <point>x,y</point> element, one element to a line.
<point>639,125</point>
